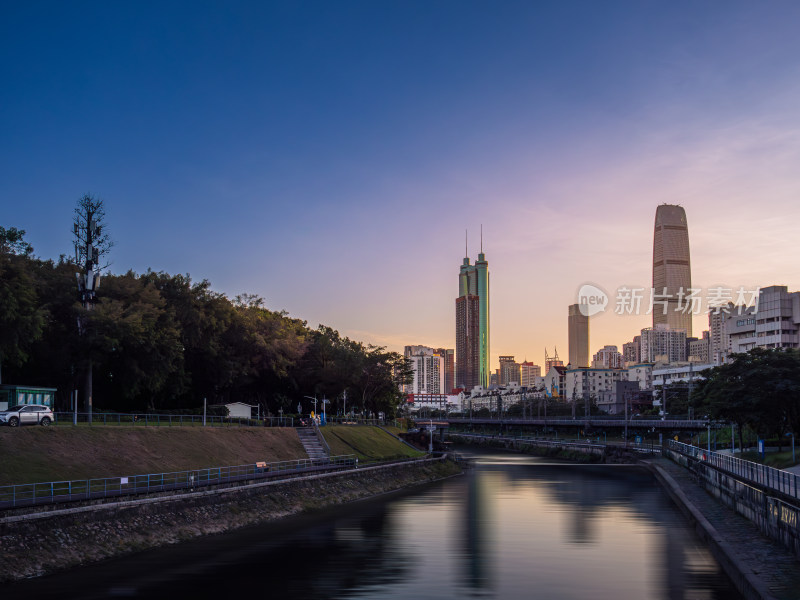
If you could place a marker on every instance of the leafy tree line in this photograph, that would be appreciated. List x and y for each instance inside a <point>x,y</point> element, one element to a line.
<point>163,342</point>
<point>759,390</point>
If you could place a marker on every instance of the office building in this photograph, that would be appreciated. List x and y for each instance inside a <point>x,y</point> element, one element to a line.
<point>472,324</point>
<point>672,272</point>
<point>578,325</point>
<point>773,323</point>
<point>467,349</point>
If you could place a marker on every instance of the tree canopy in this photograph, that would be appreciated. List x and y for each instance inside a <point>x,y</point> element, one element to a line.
<point>759,389</point>
<point>164,342</point>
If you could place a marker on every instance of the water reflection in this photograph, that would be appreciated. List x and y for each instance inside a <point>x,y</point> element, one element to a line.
<point>513,528</point>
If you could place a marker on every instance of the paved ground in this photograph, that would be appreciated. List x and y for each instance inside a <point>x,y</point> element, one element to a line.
<point>767,563</point>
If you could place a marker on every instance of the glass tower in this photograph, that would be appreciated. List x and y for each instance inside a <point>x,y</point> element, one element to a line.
<point>472,351</point>
<point>672,270</point>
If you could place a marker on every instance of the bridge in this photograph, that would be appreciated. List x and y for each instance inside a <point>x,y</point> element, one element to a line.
<point>594,422</point>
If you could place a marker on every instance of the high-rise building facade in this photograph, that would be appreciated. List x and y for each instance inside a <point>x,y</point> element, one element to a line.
<point>607,358</point>
<point>428,374</point>
<point>632,351</point>
<point>467,350</point>
<point>473,282</point>
<point>773,323</point>
<point>720,343</point>
<point>578,325</point>
<point>448,354</point>
<point>430,367</point>
<point>528,374</point>
<point>509,371</point>
<point>662,343</point>
<point>672,271</point>
<point>700,349</point>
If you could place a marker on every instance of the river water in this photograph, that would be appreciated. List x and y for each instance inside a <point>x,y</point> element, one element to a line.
<point>513,527</point>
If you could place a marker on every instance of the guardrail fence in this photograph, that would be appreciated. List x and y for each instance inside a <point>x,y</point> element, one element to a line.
<point>158,420</point>
<point>768,477</point>
<point>12,496</point>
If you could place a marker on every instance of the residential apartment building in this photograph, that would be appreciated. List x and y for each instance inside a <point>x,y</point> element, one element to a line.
<point>662,343</point>
<point>529,373</point>
<point>607,358</point>
<point>509,371</point>
<point>700,350</point>
<point>588,382</point>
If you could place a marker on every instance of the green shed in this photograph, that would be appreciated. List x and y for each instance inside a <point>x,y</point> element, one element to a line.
<point>11,395</point>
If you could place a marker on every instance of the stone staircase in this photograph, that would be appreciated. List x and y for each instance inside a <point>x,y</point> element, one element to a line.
<point>314,449</point>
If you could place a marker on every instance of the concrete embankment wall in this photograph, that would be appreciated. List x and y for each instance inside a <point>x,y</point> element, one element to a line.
<point>776,518</point>
<point>46,542</point>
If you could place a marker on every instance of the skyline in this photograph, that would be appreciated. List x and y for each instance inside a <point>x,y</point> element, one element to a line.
<point>329,157</point>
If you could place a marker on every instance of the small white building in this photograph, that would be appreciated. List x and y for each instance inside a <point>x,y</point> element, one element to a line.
<point>240,410</point>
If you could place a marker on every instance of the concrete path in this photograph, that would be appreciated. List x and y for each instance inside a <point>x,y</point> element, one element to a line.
<point>770,570</point>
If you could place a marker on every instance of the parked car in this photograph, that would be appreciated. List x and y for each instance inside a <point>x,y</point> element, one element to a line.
<point>26,414</point>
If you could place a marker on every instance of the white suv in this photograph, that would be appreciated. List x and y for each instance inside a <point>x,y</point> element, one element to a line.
<point>26,414</point>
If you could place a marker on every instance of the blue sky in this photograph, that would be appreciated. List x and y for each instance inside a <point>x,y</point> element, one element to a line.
<point>330,155</point>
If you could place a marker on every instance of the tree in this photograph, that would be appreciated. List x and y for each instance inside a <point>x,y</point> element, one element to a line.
<point>760,389</point>
<point>91,244</point>
<point>21,316</point>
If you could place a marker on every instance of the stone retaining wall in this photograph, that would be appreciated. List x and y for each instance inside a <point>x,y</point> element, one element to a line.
<point>57,540</point>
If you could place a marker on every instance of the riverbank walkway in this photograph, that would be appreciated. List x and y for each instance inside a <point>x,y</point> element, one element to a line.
<point>771,570</point>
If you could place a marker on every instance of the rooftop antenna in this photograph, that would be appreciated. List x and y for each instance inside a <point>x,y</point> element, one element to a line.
<point>466,245</point>
<point>481,238</point>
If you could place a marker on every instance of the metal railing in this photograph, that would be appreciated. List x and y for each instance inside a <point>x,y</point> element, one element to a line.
<point>648,447</point>
<point>331,420</point>
<point>579,421</point>
<point>53,492</point>
<point>159,420</point>
<point>767,477</point>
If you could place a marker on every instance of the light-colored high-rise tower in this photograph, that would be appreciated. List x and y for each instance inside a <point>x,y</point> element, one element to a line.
<point>578,325</point>
<point>672,271</point>
<point>472,308</point>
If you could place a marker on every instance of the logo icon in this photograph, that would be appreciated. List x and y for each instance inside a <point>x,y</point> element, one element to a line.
<point>592,300</point>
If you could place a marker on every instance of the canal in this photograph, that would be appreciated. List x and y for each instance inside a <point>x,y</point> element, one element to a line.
<point>513,527</point>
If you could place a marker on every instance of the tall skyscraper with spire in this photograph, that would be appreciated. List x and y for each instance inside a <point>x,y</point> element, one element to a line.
<point>672,270</point>
<point>472,323</point>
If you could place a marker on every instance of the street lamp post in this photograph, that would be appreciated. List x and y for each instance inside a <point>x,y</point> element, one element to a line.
<point>315,402</point>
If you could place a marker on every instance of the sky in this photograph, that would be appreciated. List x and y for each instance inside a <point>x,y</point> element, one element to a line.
<point>331,156</point>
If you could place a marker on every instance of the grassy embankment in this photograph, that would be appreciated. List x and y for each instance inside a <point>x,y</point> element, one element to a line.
<point>368,443</point>
<point>37,454</point>
<point>34,454</point>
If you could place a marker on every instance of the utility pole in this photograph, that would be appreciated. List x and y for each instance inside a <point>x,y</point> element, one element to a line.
<point>90,244</point>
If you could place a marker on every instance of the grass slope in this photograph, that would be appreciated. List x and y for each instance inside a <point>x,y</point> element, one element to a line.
<point>366,442</point>
<point>34,454</point>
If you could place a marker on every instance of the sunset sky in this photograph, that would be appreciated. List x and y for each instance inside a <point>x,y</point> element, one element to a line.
<point>329,156</point>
